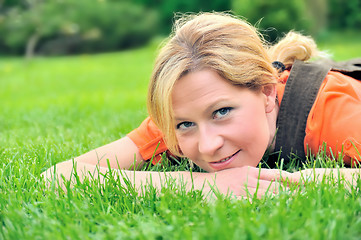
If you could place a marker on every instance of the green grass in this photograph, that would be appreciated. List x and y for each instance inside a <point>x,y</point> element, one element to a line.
<point>341,46</point>
<point>52,109</point>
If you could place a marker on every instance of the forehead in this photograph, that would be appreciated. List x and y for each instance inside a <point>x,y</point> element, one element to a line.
<point>202,87</point>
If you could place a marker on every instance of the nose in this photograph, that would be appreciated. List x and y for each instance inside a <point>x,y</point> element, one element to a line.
<point>209,141</point>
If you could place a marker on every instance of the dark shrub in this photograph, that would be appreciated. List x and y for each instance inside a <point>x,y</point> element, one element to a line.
<point>68,26</point>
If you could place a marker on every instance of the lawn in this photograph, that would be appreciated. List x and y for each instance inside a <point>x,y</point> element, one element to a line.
<point>52,109</point>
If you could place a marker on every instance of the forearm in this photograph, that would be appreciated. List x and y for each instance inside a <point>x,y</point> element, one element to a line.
<point>244,181</point>
<point>122,154</point>
<point>348,175</point>
<point>69,169</point>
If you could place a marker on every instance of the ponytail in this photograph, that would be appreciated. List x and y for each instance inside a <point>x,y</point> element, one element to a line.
<point>293,46</point>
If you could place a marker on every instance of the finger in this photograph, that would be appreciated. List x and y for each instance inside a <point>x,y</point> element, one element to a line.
<point>273,174</point>
<point>301,177</point>
<point>262,187</point>
<point>262,192</point>
<point>273,186</point>
<point>249,193</point>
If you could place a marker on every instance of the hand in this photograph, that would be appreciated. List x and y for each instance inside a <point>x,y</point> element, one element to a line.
<point>246,181</point>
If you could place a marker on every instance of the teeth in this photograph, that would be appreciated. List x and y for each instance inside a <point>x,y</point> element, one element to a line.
<point>227,158</point>
<point>224,159</point>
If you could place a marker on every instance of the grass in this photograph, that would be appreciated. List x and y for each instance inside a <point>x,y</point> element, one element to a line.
<point>341,46</point>
<point>52,109</point>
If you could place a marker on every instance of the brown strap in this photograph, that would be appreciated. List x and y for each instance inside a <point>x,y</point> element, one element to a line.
<point>350,67</point>
<point>300,93</point>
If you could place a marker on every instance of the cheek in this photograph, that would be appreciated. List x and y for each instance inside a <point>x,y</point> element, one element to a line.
<point>250,127</point>
<point>187,146</point>
<point>258,131</point>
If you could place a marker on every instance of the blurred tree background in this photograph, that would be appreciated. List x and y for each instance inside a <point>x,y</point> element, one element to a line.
<point>58,27</point>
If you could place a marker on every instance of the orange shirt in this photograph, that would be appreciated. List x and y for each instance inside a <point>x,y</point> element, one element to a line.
<point>149,140</point>
<point>334,119</point>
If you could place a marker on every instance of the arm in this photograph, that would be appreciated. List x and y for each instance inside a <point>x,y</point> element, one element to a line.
<point>122,153</point>
<point>125,153</point>
<point>348,176</point>
<point>241,182</point>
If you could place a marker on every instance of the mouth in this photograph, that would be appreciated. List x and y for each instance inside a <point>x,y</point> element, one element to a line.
<point>223,162</point>
<point>227,158</point>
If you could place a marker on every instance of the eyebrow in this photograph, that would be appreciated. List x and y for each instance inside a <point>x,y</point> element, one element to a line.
<point>214,104</point>
<point>208,109</point>
<point>180,119</point>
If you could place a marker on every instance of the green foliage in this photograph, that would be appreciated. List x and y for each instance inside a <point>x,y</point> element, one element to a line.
<point>308,16</point>
<point>6,4</point>
<point>67,26</point>
<point>274,17</point>
<point>167,9</point>
<point>341,45</point>
<point>345,14</point>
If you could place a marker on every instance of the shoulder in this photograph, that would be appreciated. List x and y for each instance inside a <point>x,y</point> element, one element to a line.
<point>341,85</point>
<point>334,82</point>
<point>335,115</point>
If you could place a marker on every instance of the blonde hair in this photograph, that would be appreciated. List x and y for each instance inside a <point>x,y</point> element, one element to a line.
<point>223,43</point>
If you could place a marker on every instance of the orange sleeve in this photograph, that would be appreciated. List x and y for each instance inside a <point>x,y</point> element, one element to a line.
<point>149,140</point>
<point>335,117</point>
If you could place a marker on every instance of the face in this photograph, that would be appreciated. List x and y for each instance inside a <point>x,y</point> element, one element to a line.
<point>219,125</point>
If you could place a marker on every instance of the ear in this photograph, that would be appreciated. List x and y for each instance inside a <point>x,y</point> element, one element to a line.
<point>269,91</point>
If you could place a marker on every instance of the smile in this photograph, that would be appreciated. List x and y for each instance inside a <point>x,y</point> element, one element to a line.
<point>223,163</point>
<point>227,158</point>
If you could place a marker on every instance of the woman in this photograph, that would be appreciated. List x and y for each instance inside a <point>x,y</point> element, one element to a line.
<point>214,97</point>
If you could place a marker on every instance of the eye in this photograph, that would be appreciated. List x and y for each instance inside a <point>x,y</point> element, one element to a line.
<point>184,125</point>
<point>220,113</point>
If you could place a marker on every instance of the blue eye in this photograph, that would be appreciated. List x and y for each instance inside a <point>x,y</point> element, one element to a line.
<point>221,112</point>
<point>184,125</point>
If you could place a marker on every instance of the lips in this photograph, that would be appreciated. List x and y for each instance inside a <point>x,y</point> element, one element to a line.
<point>227,158</point>
<point>221,164</point>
